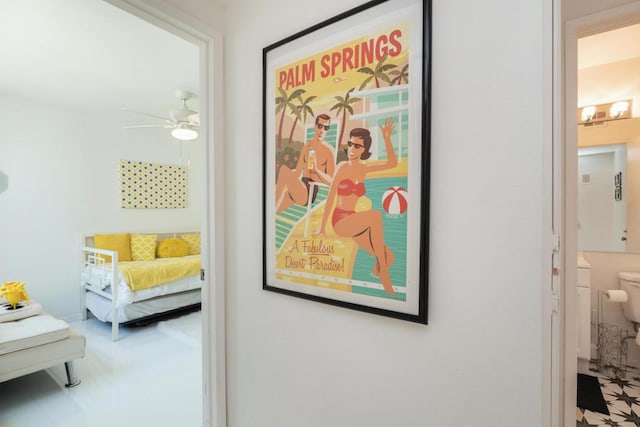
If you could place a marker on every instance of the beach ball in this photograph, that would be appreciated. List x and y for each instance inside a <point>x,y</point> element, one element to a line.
<point>394,200</point>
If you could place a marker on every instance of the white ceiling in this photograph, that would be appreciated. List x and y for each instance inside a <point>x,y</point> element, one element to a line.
<point>90,55</point>
<point>608,47</point>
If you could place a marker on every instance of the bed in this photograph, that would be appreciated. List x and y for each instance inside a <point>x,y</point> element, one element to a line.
<point>133,279</point>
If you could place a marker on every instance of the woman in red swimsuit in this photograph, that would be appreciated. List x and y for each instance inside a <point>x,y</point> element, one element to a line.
<point>365,227</point>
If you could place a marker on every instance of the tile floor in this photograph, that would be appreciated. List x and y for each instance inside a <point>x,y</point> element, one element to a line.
<point>623,401</point>
<point>150,377</point>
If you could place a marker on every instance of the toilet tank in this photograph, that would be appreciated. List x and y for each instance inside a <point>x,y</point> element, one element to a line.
<point>630,283</point>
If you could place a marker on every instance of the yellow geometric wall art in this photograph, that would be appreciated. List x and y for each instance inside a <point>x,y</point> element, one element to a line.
<point>146,185</point>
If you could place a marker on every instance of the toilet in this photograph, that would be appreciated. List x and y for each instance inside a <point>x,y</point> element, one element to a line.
<point>630,283</point>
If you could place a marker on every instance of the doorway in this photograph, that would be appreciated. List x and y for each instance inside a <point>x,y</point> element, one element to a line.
<point>209,44</point>
<point>579,228</point>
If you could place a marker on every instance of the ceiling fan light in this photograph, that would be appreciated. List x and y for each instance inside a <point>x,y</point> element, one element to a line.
<point>184,133</point>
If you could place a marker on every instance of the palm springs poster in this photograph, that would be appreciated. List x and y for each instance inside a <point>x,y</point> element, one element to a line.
<point>346,160</point>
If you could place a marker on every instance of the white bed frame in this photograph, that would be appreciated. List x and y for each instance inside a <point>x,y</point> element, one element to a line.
<point>90,255</point>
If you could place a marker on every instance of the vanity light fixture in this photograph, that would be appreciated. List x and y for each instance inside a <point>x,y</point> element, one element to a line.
<point>599,114</point>
<point>184,132</point>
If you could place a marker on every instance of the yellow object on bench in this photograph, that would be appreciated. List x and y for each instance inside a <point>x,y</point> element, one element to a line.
<point>14,293</point>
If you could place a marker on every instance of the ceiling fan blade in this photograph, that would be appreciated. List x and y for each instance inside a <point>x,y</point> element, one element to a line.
<point>167,126</point>
<point>181,115</point>
<point>148,114</point>
<point>194,119</point>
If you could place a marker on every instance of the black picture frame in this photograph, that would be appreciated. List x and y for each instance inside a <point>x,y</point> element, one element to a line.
<point>367,68</point>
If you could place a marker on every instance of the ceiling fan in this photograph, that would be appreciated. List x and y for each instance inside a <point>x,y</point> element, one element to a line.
<point>183,122</point>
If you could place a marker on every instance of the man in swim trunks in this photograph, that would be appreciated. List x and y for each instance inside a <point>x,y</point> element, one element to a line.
<point>316,163</point>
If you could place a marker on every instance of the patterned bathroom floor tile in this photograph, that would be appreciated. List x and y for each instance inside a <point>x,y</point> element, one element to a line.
<point>622,395</point>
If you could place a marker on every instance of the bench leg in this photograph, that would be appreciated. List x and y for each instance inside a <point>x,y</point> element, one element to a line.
<point>72,374</point>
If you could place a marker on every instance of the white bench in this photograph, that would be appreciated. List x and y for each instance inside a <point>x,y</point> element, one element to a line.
<point>39,342</point>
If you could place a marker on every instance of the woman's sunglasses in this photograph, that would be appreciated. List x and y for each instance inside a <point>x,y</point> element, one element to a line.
<point>353,144</point>
<point>325,127</point>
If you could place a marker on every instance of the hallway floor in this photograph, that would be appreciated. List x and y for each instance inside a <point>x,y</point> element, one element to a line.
<point>623,401</point>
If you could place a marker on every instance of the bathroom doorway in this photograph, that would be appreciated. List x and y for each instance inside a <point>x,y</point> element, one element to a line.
<point>593,49</point>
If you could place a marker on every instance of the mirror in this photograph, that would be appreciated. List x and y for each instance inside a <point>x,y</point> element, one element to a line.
<point>609,187</point>
<point>602,222</point>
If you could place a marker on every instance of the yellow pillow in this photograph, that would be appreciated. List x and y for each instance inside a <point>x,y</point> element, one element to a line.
<point>173,247</point>
<point>194,242</point>
<point>114,242</point>
<point>143,247</point>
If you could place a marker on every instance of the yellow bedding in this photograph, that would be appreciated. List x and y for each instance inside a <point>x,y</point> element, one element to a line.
<point>147,274</point>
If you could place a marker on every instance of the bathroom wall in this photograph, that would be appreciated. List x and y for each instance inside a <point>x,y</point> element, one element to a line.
<point>632,184</point>
<point>604,275</point>
<point>573,9</point>
<point>610,82</point>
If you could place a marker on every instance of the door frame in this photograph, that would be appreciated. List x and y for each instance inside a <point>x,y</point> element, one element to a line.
<point>552,311</point>
<point>210,44</point>
<point>566,144</point>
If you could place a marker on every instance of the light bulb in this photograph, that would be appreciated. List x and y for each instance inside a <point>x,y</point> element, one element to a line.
<point>618,109</point>
<point>184,133</point>
<point>588,113</point>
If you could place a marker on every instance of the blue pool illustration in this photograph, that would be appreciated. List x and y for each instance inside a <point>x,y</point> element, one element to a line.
<point>395,236</point>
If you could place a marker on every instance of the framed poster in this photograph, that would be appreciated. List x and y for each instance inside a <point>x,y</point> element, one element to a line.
<point>346,160</point>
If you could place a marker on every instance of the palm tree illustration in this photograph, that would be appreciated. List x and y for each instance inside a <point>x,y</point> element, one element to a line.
<point>401,76</point>
<point>343,106</point>
<point>378,73</point>
<point>282,102</point>
<point>301,111</point>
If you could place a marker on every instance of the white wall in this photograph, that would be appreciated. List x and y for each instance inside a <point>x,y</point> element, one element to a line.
<point>293,362</point>
<point>63,182</point>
